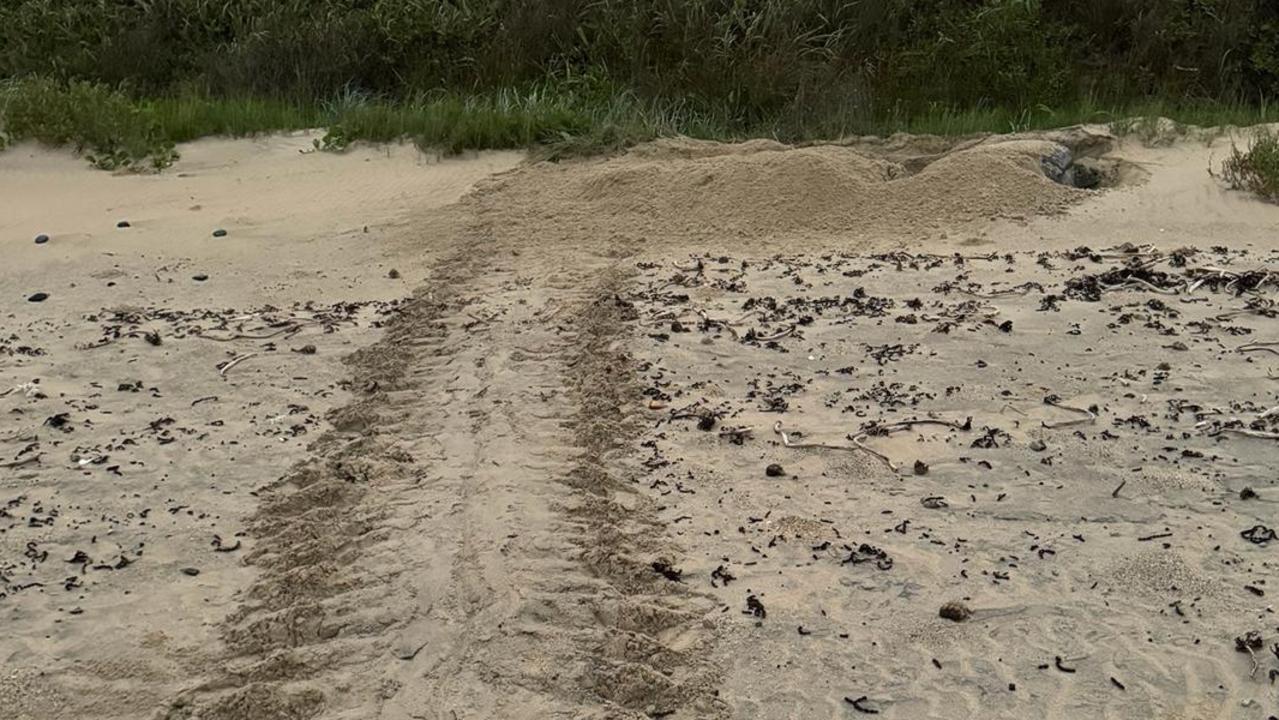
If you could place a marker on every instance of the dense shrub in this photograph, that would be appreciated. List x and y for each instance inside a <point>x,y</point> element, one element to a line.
<point>755,56</point>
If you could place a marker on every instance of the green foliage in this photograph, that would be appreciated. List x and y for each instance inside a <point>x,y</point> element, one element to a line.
<point>1255,169</point>
<point>123,79</point>
<point>101,123</point>
<point>752,58</point>
<point>1001,53</point>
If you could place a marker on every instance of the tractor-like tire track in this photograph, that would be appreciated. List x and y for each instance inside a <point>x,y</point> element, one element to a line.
<point>465,541</point>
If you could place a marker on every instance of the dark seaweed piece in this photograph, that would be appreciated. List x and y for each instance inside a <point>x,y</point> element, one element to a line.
<point>668,572</point>
<point>859,705</point>
<point>866,553</point>
<point>1250,640</point>
<point>722,574</point>
<point>1258,534</point>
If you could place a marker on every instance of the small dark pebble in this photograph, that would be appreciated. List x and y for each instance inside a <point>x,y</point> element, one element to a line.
<point>42,239</point>
<point>123,224</point>
<point>394,274</point>
<point>190,571</point>
<point>955,611</point>
<point>305,350</point>
<point>200,278</point>
<point>1247,494</point>
<point>219,233</point>
<point>921,467</point>
<point>1038,446</point>
<point>774,470</point>
<point>38,297</point>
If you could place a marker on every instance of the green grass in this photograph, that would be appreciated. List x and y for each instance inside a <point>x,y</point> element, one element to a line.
<point>559,120</point>
<point>190,117</point>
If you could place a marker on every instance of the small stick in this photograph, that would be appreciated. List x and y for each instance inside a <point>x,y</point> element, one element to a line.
<point>1249,433</point>
<point>291,328</point>
<point>857,445</point>
<point>1130,282</point>
<point>857,440</point>
<point>788,331</point>
<point>20,463</point>
<point>908,424</point>
<point>777,428</point>
<point>1023,290</point>
<point>233,362</point>
<point>1092,417</point>
<point>1115,494</point>
<point>1246,348</point>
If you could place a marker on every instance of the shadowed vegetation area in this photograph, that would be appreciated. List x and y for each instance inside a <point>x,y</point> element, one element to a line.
<point>587,74</point>
<point>1255,169</point>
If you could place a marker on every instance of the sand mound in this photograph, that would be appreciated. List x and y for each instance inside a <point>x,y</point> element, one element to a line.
<point>762,189</point>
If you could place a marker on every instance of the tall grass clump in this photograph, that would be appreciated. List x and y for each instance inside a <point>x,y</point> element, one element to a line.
<point>1256,169</point>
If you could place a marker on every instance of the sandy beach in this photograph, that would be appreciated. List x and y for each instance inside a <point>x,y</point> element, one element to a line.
<point>912,427</point>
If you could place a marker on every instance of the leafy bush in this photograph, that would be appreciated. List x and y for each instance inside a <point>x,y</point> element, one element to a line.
<point>101,123</point>
<point>784,68</point>
<point>756,57</point>
<point>1256,169</point>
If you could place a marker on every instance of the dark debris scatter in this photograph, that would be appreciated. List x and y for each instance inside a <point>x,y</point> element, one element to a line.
<point>1020,428</point>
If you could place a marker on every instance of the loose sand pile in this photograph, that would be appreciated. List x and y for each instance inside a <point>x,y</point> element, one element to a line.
<point>764,190</point>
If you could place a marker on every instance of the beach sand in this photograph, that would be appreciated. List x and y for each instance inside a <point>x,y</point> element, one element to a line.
<point>694,431</point>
